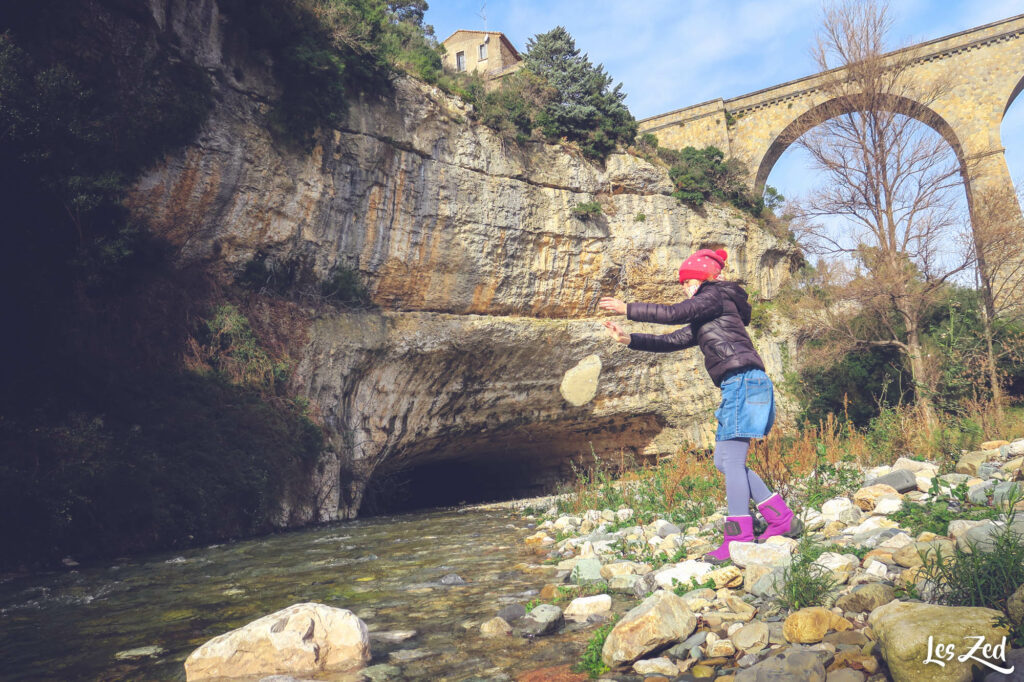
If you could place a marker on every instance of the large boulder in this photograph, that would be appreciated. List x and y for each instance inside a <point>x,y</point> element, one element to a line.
<point>745,553</point>
<point>969,463</point>
<point>904,630</point>
<point>658,621</point>
<point>542,620</point>
<point>301,639</point>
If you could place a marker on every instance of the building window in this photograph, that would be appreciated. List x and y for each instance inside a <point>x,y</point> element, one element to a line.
<point>483,51</point>
<point>460,61</point>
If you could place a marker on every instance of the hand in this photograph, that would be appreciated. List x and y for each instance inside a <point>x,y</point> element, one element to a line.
<point>616,331</point>
<point>612,304</point>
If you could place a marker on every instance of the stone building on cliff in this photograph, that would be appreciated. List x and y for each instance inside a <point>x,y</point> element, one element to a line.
<point>490,53</point>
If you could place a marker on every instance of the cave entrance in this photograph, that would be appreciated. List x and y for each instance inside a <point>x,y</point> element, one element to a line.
<point>454,482</point>
<point>503,464</point>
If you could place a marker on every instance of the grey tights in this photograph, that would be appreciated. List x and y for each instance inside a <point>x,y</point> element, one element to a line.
<point>741,484</point>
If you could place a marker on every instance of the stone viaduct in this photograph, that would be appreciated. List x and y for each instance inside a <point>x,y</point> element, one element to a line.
<point>982,70</point>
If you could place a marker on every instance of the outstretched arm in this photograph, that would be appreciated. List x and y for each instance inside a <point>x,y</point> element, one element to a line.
<point>663,343</point>
<point>701,308</point>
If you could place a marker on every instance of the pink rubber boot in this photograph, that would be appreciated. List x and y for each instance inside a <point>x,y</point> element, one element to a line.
<point>780,518</point>
<point>737,529</point>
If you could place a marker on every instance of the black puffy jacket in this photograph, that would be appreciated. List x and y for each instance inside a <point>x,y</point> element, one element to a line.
<point>717,315</point>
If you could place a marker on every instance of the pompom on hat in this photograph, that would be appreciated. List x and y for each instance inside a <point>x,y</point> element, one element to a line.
<point>703,265</point>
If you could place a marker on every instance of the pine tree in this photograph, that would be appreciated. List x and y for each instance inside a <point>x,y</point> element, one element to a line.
<point>586,109</point>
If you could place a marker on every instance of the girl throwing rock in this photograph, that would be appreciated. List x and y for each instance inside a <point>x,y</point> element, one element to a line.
<point>716,314</point>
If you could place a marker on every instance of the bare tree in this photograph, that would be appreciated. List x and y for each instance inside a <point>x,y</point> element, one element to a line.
<point>894,184</point>
<point>999,276</point>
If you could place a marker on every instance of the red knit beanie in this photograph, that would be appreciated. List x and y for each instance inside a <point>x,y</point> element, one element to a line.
<point>703,265</point>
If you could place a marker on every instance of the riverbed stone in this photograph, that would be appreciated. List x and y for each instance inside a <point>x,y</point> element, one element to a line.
<point>752,637</point>
<point>910,555</point>
<point>682,572</point>
<point>659,620</point>
<point>968,464</point>
<point>581,608</point>
<point>903,630</point>
<point>727,576</point>
<point>809,625</point>
<point>1015,606</point>
<point>624,584</point>
<point>656,666</point>
<point>768,554</point>
<point>866,598</point>
<point>303,638</point>
<point>866,497</point>
<point>586,571</point>
<point>150,651</point>
<point>495,627</point>
<point>901,480</point>
<point>512,612</point>
<point>382,672</point>
<point>981,538</point>
<point>841,566</point>
<point>791,665</point>
<point>542,620</point>
<point>609,571</point>
<point>840,509</point>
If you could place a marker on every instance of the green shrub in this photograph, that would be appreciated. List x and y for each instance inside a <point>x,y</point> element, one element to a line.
<point>701,175</point>
<point>828,480</point>
<point>639,218</point>
<point>803,583</point>
<point>587,209</point>
<point>590,662</point>
<point>979,578</point>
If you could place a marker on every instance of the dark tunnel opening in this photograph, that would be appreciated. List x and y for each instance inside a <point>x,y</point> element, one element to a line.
<point>450,483</point>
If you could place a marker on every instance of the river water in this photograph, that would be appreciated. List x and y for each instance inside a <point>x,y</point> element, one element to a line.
<point>388,570</point>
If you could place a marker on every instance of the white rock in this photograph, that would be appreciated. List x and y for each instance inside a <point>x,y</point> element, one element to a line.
<point>656,666</point>
<point>898,541</point>
<point>683,572</point>
<point>744,553</point>
<point>840,509</point>
<point>876,568</point>
<point>566,522</point>
<point>887,504</point>
<point>624,514</point>
<point>303,638</point>
<point>581,608</point>
<point>916,466</point>
<point>579,385</point>
<point>813,520</point>
<point>842,566</point>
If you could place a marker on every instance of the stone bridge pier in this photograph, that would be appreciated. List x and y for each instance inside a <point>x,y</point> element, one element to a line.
<point>982,70</point>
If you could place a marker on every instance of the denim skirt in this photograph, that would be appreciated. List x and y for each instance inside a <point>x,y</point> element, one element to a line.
<point>748,405</point>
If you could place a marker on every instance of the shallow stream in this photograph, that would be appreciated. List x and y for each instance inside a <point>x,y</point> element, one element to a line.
<point>388,570</point>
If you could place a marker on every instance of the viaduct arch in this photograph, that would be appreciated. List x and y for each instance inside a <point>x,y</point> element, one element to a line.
<point>983,69</point>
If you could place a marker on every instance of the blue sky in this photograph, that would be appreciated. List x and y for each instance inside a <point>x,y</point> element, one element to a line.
<point>670,54</point>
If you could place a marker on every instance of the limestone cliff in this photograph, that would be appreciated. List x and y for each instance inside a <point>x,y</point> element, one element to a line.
<point>485,284</point>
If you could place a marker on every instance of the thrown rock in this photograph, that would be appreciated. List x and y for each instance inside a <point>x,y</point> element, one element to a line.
<point>579,384</point>
<point>902,480</point>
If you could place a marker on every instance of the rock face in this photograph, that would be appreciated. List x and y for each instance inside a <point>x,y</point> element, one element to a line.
<point>484,282</point>
<point>301,639</point>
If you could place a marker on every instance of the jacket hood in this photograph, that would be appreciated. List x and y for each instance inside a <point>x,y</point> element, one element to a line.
<point>737,295</point>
